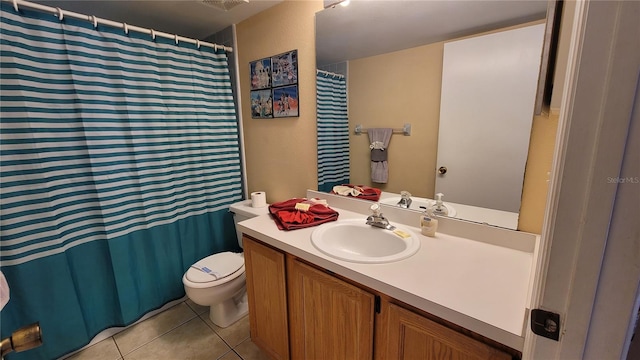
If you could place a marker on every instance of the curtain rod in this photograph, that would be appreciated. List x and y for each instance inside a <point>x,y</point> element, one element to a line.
<point>329,73</point>
<point>126,27</point>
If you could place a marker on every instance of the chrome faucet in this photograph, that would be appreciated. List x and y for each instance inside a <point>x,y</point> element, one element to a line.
<point>405,200</point>
<point>377,219</point>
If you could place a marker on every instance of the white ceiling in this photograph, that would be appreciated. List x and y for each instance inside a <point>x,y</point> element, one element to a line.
<point>371,27</point>
<point>364,28</point>
<point>190,18</point>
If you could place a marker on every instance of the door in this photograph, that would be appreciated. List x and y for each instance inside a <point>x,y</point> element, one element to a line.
<point>488,95</point>
<point>266,291</point>
<point>329,318</point>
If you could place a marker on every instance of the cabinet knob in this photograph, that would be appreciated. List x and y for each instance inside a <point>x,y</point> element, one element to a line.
<point>442,170</point>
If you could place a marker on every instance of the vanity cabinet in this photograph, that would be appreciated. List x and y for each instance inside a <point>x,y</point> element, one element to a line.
<point>267,294</point>
<point>328,318</point>
<point>299,311</point>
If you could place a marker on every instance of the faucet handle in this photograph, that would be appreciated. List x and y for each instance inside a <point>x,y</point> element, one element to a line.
<point>375,208</point>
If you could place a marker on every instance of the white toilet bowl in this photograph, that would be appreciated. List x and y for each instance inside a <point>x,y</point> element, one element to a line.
<point>218,280</point>
<point>225,292</point>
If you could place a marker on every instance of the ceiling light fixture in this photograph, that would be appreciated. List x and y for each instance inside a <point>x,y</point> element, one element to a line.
<point>332,4</point>
<point>224,5</point>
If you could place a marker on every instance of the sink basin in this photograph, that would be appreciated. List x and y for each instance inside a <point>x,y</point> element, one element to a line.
<point>418,204</point>
<point>353,240</point>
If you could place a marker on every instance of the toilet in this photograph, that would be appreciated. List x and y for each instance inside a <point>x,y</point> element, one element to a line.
<point>218,280</point>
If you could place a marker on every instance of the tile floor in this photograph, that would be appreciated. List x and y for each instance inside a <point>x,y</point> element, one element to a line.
<point>183,331</point>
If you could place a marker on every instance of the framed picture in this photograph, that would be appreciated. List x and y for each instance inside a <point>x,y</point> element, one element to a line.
<point>284,69</point>
<point>261,104</point>
<point>285,101</point>
<point>274,86</point>
<point>260,74</point>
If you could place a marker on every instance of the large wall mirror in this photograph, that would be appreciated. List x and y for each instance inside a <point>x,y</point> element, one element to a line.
<point>391,53</point>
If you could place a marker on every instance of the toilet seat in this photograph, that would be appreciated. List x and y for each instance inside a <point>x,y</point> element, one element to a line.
<point>224,266</point>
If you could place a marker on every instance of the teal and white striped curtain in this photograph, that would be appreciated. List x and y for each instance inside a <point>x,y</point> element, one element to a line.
<point>333,131</point>
<point>119,159</point>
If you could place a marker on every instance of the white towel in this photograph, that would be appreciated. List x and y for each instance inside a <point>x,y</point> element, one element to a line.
<point>346,190</point>
<point>379,169</point>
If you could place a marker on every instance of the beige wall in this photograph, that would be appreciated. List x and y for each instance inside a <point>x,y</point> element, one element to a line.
<point>536,186</point>
<point>281,153</point>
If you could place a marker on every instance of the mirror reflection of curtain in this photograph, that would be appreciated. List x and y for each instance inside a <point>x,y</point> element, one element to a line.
<point>119,160</point>
<point>333,130</point>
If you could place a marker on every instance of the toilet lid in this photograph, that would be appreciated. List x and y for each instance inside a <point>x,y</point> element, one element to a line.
<point>215,267</point>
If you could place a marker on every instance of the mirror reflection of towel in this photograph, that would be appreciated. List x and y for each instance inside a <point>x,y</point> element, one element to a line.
<point>361,191</point>
<point>379,165</point>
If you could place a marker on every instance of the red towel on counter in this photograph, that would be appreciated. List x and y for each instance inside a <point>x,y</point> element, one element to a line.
<point>287,217</point>
<point>367,192</point>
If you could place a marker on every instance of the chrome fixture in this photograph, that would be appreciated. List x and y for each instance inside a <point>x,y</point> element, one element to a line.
<point>405,200</point>
<point>377,219</point>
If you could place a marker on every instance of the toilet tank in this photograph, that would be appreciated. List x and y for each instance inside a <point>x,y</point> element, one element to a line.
<point>243,210</point>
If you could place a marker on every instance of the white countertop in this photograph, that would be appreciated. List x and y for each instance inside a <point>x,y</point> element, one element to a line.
<point>478,285</point>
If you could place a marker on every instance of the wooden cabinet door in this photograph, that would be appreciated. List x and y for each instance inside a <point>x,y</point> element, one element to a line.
<point>329,318</point>
<point>267,293</point>
<point>412,336</point>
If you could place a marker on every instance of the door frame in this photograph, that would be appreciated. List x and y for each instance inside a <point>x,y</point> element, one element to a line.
<point>597,104</point>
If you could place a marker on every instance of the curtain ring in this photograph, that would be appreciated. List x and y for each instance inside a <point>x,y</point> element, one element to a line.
<point>60,14</point>
<point>198,43</point>
<point>153,34</point>
<point>176,38</point>
<point>126,28</point>
<point>15,5</point>
<point>95,21</point>
<point>215,47</point>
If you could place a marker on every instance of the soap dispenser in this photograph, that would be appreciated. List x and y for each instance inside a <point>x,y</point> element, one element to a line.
<point>428,223</point>
<point>439,208</point>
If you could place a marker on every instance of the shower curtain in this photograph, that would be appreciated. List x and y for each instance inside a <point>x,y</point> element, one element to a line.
<point>119,159</point>
<point>333,131</point>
